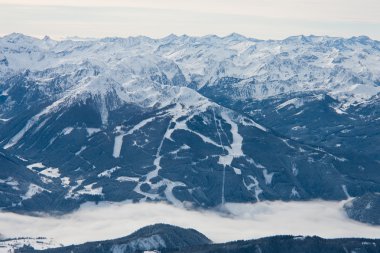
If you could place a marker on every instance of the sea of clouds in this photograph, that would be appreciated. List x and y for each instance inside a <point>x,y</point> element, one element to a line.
<point>235,221</point>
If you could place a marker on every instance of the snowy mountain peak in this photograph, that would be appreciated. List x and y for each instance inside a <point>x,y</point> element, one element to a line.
<point>260,69</point>
<point>188,120</point>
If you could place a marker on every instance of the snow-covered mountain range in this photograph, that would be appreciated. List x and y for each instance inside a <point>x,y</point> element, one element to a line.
<point>195,121</point>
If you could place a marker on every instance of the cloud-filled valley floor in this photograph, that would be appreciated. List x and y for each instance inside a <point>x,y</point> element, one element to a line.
<point>245,221</point>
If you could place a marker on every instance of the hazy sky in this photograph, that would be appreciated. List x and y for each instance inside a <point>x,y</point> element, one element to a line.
<point>263,19</point>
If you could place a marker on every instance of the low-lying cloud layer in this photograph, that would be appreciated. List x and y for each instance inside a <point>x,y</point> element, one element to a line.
<point>246,221</point>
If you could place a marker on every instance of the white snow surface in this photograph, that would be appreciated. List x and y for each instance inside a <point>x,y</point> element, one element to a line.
<point>36,165</point>
<point>67,130</point>
<point>108,173</point>
<point>10,181</point>
<point>235,148</point>
<point>127,179</point>
<point>129,70</point>
<point>317,62</point>
<point>268,176</point>
<point>9,245</point>
<point>80,150</point>
<point>91,131</point>
<point>296,102</point>
<point>50,172</point>
<point>245,221</point>
<point>149,243</point>
<point>90,190</point>
<point>65,182</point>
<point>33,190</point>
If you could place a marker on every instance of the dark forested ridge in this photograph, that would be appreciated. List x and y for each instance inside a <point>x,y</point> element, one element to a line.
<point>171,239</point>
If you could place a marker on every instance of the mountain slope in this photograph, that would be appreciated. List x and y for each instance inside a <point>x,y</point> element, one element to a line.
<point>21,187</point>
<point>166,238</point>
<point>191,121</point>
<point>155,237</point>
<point>292,244</point>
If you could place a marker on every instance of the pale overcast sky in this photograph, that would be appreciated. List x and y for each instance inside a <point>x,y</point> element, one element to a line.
<point>263,19</point>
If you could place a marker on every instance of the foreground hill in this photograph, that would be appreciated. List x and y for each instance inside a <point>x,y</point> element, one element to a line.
<point>156,237</point>
<point>167,238</point>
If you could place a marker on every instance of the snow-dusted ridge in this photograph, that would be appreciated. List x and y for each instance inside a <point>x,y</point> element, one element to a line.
<point>345,68</point>
<point>205,59</point>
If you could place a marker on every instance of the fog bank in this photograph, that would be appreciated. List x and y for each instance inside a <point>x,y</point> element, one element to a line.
<point>246,221</point>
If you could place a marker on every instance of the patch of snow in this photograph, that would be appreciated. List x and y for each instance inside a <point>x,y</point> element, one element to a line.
<point>254,185</point>
<point>11,182</point>
<point>235,148</point>
<point>118,143</point>
<point>80,150</point>
<point>338,110</point>
<point>89,190</point>
<point>268,176</point>
<point>71,193</point>
<point>127,179</point>
<point>257,165</point>
<point>296,128</point>
<point>183,147</point>
<point>5,120</point>
<point>21,158</point>
<point>294,193</point>
<point>50,172</point>
<point>36,165</point>
<point>33,190</point>
<point>296,102</point>
<point>237,171</point>
<point>91,131</point>
<point>67,130</point>
<point>141,244</point>
<point>46,180</point>
<point>65,182</point>
<point>40,243</point>
<point>108,173</point>
<point>294,169</point>
<point>248,122</point>
<point>344,188</point>
<point>287,143</point>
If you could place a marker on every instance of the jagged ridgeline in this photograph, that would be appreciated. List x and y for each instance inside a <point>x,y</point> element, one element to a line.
<point>189,120</point>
